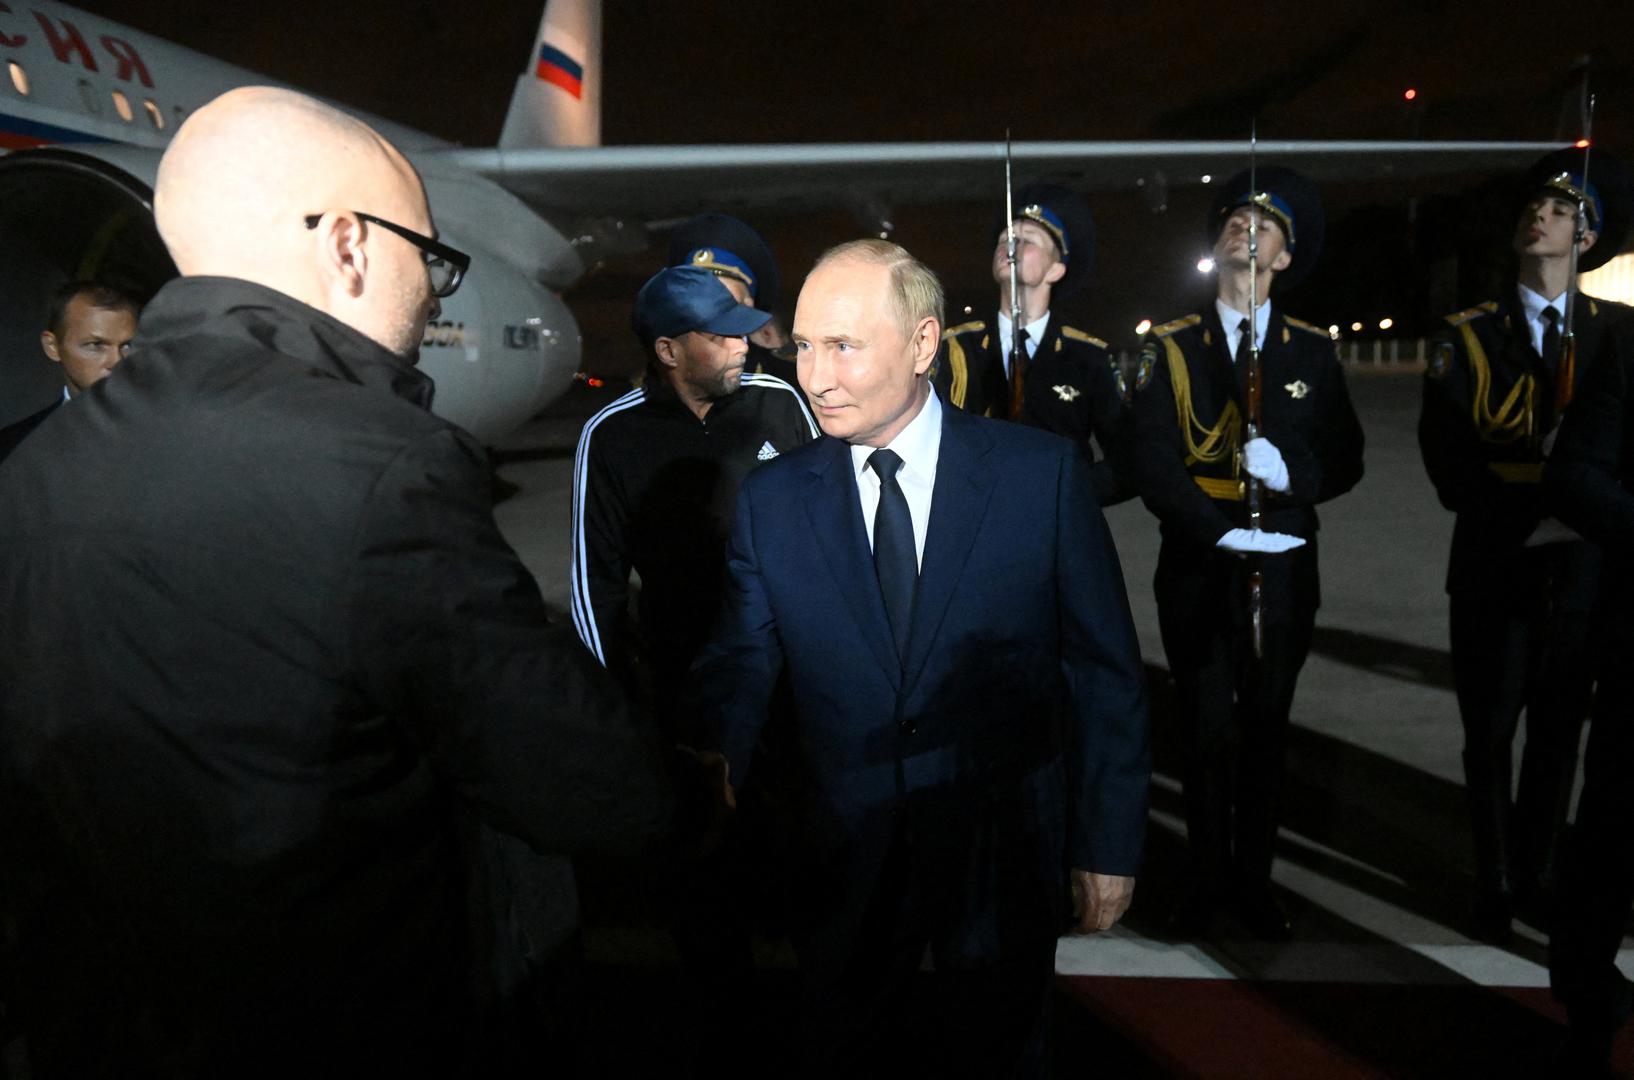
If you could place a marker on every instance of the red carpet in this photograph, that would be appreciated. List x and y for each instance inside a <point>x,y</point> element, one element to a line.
<point>1230,1028</point>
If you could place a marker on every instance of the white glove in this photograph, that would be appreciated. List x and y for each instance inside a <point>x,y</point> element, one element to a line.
<point>1264,463</point>
<point>1253,540</point>
<point>1550,531</point>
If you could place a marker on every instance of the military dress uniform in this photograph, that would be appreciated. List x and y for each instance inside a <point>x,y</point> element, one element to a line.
<point>1519,613</point>
<point>1188,428</point>
<point>1589,481</point>
<point>1521,600</point>
<point>1073,387</point>
<point>728,248</point>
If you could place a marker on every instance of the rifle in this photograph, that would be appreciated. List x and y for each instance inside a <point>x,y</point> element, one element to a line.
<point>1566,370</point>
<point>1255,494</point>
<point>1018,351</point>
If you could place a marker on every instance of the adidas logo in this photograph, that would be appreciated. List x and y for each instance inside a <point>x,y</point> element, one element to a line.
<point>767,451</point>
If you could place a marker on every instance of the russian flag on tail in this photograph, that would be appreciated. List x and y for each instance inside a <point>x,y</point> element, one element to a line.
<point>555,66</point>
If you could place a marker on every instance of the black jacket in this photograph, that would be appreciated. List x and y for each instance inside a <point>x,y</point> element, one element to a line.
<point>263,641</point>
<point>1073,388</point>
<point>12,434</point>
<point>1484,452</point>
<point>1589,480</point>
<point>653,490</point>
<point>1188,429</point>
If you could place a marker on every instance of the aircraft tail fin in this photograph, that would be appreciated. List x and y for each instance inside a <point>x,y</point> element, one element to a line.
<point>557,100</point>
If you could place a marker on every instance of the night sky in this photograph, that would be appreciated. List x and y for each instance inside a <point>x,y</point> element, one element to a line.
<point>712,71</point>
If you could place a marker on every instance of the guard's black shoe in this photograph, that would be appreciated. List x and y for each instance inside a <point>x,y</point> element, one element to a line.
<point>1196,918</point>
<point>1535,906</point>
<point>1263,917</point>
<point>1489,919</point>
<point>1596,1016</point>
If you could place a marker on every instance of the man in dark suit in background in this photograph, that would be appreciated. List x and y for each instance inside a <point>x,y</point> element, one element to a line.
<point>87,333</point>
<point>944,596</point>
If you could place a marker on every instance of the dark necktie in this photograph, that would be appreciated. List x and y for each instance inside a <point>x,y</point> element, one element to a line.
<point>894,559</point>
<point>1551,337</point>
<point>1245,342</point>
<point>1018,378</point>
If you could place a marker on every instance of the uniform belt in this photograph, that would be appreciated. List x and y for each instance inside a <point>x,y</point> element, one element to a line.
<point>1517,472</point>
<point>1217,488</point>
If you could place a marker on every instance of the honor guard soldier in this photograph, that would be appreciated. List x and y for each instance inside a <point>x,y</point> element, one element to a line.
<point>1071,383</point>
<point>1521,586</point>
<point>736,254</point>
<point>1192,461</point>
<point>1589,482</point>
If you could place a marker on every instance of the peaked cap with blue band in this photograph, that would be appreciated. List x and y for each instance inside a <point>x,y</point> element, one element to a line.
<point>1609,197</point>
<point>1288,198</point>
<point>727,247</point>
<point>1065,216</point>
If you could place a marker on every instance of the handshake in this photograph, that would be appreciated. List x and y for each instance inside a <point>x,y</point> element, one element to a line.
<point>707,800</point>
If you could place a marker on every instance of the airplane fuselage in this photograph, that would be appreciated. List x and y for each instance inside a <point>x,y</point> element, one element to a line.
<point>87,106</point>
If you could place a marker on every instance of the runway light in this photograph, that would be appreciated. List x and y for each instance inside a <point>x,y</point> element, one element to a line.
<point>1205,265</point>
<point>1385,324</point>
<point>1582,144</point>
<point>1356,327</point>
<point>1410,94</point>
<point>1207,178</point>
<point>1143,326</point>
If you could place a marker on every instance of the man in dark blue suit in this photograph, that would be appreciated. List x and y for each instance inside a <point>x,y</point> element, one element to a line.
<point>943,595</point>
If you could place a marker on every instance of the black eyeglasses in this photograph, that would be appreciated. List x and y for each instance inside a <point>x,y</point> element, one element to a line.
<point>444,264</point>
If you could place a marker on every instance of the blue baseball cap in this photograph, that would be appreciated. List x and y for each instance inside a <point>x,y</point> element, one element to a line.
<point>680,299</point>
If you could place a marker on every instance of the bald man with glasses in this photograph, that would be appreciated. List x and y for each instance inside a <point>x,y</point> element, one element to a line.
<point>270,664</point>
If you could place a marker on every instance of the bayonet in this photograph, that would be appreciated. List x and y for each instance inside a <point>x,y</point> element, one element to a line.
<point>1018,349</point>
<point>1254,489</point>
<point>1566,369</point>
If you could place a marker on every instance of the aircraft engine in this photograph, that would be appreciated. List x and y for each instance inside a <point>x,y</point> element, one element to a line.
<point>501,349</point>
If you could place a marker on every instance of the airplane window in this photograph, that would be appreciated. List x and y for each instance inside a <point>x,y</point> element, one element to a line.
<point>155,114</point>
<point>181,115</point>
<point>19,77</point>
<point>121,105</point>
<point>88,96</point>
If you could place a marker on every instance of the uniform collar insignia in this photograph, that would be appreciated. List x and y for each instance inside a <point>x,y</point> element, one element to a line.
<point>1067,393</point>
<point>1297,389</point>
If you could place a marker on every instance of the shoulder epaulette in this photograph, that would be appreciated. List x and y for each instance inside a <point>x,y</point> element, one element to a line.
<point>963,328</point>
<point>1178,324</point>
<point>1472,313</point>
<point>1078,335</point>
<point>1301,324</point>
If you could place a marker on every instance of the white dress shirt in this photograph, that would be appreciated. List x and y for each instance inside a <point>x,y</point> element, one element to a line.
<point>66,396</point>
<point>1231,319</point>
<point>1534,304</point>
<point>918,445</point>
<point>1035,334</point>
